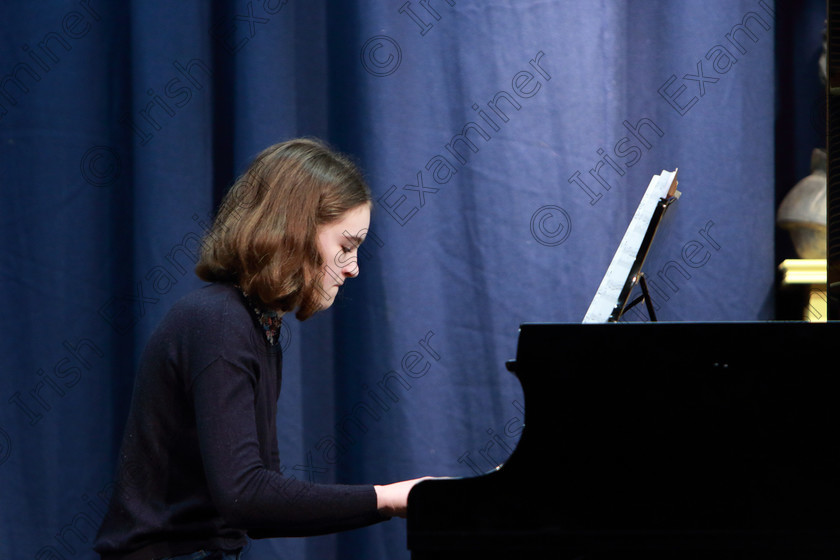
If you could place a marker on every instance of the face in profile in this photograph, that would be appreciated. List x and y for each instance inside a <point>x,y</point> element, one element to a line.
<point>338,244</point>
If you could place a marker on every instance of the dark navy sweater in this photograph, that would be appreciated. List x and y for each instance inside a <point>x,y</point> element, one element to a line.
<point>199,465</point>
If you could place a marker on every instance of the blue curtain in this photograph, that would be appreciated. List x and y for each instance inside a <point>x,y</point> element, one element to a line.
<point>507,145</point>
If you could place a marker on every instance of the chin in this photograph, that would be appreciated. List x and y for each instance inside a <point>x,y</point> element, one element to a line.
<point>326,303</point>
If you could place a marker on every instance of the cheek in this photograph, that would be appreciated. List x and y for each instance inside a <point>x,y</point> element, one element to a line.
<point>323,251</point>
<point>328,257</point>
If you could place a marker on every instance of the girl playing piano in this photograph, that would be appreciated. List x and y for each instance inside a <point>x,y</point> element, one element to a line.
<point>199,468</point>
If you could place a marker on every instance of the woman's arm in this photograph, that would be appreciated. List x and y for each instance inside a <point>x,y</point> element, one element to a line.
<point>247,493</point>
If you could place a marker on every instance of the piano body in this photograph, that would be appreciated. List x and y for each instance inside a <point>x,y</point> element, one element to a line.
<point>655,440</point>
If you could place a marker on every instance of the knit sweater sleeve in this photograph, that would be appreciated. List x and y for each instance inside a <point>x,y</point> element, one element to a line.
<point>246,492</point>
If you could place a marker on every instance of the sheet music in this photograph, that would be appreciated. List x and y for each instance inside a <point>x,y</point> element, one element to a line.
<point>606,297</point>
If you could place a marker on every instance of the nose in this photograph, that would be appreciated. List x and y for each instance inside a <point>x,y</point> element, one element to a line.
<point>351,269</point>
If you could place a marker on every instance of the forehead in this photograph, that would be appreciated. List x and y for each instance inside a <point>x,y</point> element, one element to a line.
<point>355,223</point>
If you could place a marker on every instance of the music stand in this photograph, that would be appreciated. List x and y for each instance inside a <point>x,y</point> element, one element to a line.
<point>625,270</point>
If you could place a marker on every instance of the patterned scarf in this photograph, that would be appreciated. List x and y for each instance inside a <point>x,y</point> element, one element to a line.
<point>269,319</point>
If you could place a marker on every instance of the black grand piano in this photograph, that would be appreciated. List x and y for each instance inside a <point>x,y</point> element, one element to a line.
<point>656,440</point>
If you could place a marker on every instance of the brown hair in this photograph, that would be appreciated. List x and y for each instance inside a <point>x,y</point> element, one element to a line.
<point>264,237</point>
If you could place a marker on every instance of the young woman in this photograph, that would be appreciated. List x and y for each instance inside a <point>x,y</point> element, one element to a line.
<point>199,469</point>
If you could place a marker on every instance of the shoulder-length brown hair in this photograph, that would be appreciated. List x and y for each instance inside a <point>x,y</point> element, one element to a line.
<point>264,237</point>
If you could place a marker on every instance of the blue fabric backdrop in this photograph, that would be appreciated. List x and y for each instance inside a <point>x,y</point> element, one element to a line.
<point>507,145</point>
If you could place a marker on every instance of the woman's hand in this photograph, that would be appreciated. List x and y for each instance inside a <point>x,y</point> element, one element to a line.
<point>392,499</point>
